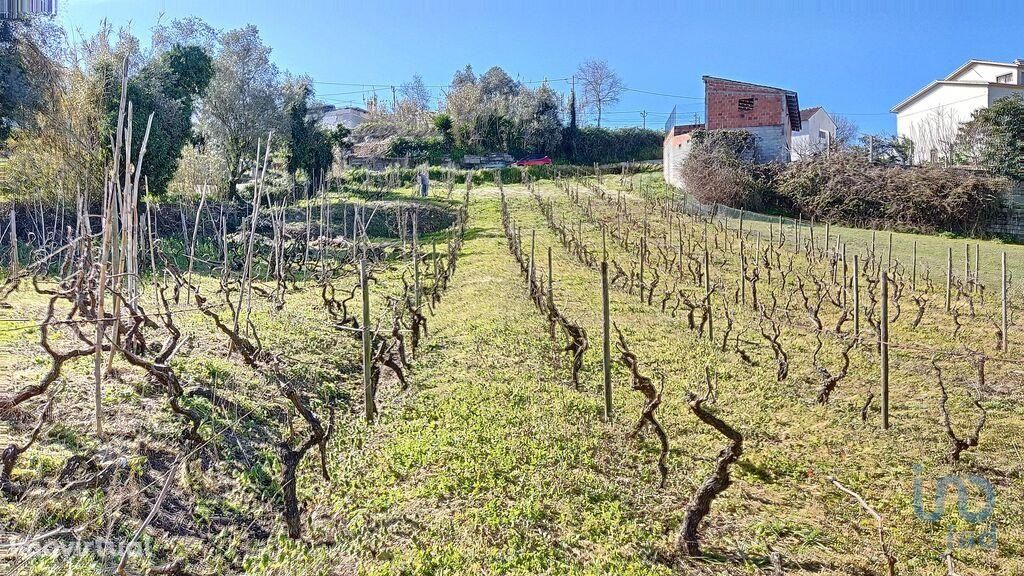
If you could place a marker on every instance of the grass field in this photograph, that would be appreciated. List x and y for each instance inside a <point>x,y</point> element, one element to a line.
<point>494,464</point>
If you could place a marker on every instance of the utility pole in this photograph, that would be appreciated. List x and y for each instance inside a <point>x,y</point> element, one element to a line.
<point>394,99</point>
<point>643,114</point>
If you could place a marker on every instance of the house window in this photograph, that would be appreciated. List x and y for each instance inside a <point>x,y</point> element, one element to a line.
<point>746,104</point>
<point>1004,79</point>
<point>822,135</point>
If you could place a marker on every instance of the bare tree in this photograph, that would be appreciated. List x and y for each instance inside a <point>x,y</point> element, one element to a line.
<point>935,136</point>
<point>846,131</point>
<point>602,87</point>
<point>415,93</point>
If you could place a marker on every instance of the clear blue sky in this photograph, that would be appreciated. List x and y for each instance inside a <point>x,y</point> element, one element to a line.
<point>854,58</point>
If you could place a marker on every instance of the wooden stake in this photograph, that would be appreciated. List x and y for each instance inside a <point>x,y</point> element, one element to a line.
<point>949,276</point>
<point>369,394</point>
<point>1006,324</point>
<point>967,263</point>
<point>856,295</point>
<point>707,291</point>
<point>884,349</point>
<point>888,255</point>
<point>643,258</point>
<point>416,259</point>
<point>743,275</point>
<point>606,347</point>
<point>14,244</point>
<point>913,274</point>
<point>977,263</point>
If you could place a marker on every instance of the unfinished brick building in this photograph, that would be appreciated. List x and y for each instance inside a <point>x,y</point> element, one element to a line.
<point>770,114</point>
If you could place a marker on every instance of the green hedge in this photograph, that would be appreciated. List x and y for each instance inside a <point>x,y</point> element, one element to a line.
<point>606,146</point>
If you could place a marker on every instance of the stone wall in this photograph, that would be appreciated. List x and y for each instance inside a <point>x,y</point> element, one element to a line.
<point>1013,222</point>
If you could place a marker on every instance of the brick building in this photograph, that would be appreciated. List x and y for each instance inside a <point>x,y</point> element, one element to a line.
<point>770,114</point>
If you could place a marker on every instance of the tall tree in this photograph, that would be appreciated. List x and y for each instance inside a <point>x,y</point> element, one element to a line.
<point>29,75</point>
<point>464,76</point>
<point>497,86</point>
<point>572,131</point>
<point>415,93</point>
<point>242,103</point>
<point>994,137</point>
<point>543,130</point>
<point>309,148</point>
<point>167,86</point>
<point>602,87</point>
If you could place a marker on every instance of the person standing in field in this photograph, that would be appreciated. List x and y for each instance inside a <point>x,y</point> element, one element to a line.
<point>423,182</point>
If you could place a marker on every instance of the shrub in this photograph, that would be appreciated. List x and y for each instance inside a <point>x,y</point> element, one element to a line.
<point>719,169</point>
<point>848,189</point>
<point>606,146</point>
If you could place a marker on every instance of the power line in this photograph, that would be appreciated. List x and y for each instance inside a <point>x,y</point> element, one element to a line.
<point>662,94</point>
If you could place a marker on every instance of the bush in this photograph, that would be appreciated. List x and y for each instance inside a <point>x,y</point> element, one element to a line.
<point>848,189</point>
<point>719,170</point>
<point>606,146</point>
<point>420,148</point>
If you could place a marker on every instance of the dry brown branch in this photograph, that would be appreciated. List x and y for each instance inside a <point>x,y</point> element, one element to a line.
<point>959,445</point>
<point>883,540</point>
<point>829,380</point>
<point>652,399</point>
<point>717,482</point>
<point>10,455</point>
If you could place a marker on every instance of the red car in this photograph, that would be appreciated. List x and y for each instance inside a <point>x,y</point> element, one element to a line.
<point>533,161</point>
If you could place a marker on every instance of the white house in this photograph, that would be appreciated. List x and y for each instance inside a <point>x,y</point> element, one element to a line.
<point>347,116</point>
<point>931,116</point>
<point>817,131</point>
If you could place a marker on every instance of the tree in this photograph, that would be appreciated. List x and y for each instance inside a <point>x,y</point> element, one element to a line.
<point>543,130</point>
<point>572,131</point>
<point>464,76</point>
<point>718,168</point>
<point>242,103</point>
<point>29,75</point>
<point>885,150</point>
<point>602,87</point>
<point>415,93</point>
<point>846,131</point>
<point>497,87</point>
<point>167,86</point>
<point>443,124</point>
<point>935,136</point>
<point>994,137</point>
<point>310,149</point>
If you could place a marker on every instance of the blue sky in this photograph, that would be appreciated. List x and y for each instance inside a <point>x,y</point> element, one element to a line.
<point>854,58</point>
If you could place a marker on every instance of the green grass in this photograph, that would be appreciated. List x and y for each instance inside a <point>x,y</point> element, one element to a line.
<point>494,464</point>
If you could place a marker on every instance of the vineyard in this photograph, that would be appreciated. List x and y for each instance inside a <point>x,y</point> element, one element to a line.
<point>585,374</point>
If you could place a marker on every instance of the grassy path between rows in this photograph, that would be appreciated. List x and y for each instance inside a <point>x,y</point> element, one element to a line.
<point>490,467</point>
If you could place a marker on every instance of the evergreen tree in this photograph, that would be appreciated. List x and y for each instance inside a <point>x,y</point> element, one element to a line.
<point>571,134</point>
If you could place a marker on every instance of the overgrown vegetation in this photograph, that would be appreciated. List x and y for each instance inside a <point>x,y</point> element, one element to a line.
<point>848,189</point>
<point>845,186</point>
